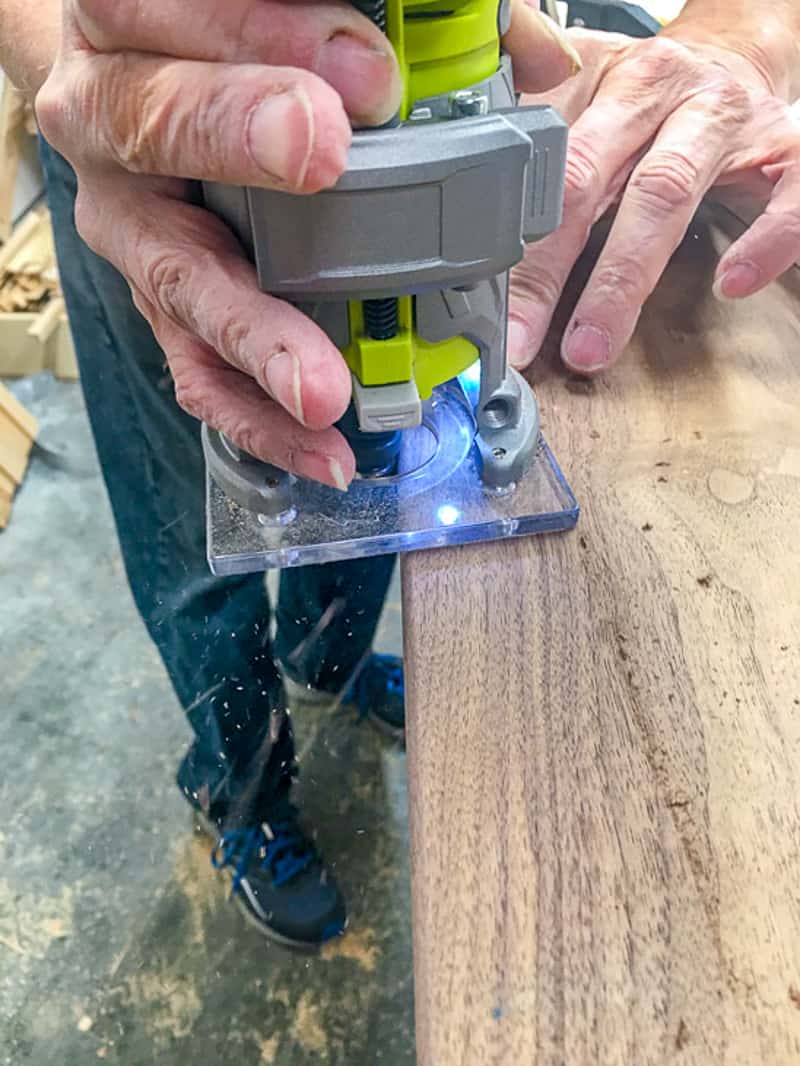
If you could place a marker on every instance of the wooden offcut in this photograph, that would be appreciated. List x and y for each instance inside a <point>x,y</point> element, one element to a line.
<point>34,330</point>
<point>18,429</point>
<point>12,130</point>
<point>604,725</point>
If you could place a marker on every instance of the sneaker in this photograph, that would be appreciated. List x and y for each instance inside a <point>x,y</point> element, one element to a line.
<point>377,690</point>
<point>278,880</point>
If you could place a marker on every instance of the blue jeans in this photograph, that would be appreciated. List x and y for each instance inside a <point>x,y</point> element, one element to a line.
<point>213,633</point>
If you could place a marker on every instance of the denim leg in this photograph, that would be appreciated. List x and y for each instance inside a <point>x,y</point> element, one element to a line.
<point>212,633</point>
<point>327,616</point>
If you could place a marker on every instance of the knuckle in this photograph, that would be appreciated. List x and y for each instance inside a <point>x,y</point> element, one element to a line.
<point>52,110</point>
<point>665,180</point>
<point>137,115</point>
<point>620,281</point>
<point>231,335</point>
<point>730,95</point>
<point>249,438</point>
<point>128,143</point>
<point>222,108</point>
<point>725,101</point>
<point>192,394</point>
<point>86,220</point>
<point>534,285</point>
<point>168,126</point>
<point>581,171</point>
<point>166,275</point>
<point>660,58</point>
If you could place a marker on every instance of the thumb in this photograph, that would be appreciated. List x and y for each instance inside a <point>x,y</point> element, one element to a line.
<point>542,54</point>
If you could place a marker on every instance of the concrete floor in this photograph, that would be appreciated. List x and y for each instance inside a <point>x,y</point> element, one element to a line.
<point>117,941</point>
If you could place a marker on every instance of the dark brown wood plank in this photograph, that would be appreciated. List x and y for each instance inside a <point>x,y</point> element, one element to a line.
<point>604,726</point>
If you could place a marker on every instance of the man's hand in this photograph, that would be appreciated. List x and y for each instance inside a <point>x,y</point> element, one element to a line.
<point>148,96</point>
<point>655,125</point>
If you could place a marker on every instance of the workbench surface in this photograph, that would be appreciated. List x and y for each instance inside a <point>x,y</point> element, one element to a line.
<point>604,725</point>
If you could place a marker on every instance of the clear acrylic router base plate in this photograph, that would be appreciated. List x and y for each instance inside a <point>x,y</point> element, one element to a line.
<point>437,499</point>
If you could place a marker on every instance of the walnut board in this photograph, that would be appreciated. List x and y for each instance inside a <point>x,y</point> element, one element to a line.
<point>604,725</point>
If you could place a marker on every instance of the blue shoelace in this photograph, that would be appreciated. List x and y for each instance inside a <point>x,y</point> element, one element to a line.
<point>280,849</point>
<point>381,677</point>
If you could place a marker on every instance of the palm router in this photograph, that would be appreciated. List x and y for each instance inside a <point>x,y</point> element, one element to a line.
<point>405,264</point>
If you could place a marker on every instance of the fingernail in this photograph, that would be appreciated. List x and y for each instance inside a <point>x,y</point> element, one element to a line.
<point>320,468</point>
<point>587,348</point>
<point>519,343</point>
<point>282,374</point>
<point>367,78</point>
<point>337,474</point>
<point>560,37</point>
<point>281,136</point>
<point>737,281</point>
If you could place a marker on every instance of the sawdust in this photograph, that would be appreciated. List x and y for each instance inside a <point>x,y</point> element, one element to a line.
<point>56,928</point>
<point>268,1048</point>
<point>168,1002</point>
<point>307,1027</point>
<point>29,925</point>
<point>789,465</point>
<point>359,946</point>
<point>280,995</point>
<point>682,1039</point>
<point>200,884</point>
<point>10,943</point>
<point>20,669</point>
<point>730,487</point>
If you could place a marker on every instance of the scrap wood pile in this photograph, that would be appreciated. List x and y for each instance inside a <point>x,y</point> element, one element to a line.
<point>34,334</point>
<point>34,331</point>
<point>17,125</point>
<point>28,276</point>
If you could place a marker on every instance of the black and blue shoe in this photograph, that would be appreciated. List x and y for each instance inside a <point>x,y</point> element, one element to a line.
<point>377,690</point>
<point>279,882</point>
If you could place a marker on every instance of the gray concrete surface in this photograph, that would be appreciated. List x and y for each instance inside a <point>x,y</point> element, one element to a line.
<point>117,941</point>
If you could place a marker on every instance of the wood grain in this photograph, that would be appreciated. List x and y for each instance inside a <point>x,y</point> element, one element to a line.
<point>604,726</point>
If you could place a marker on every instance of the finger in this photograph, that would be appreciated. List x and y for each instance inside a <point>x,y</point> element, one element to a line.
<point>597,51</point>
<point>660,200</point>
<point>228,401</point>
<point>273,127</point>
<point>540,50</point>
<point>638,87</point>
<point>184,262</point>
<point>769,247</point>
<point>331,39</point>
<point>603,148</point>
